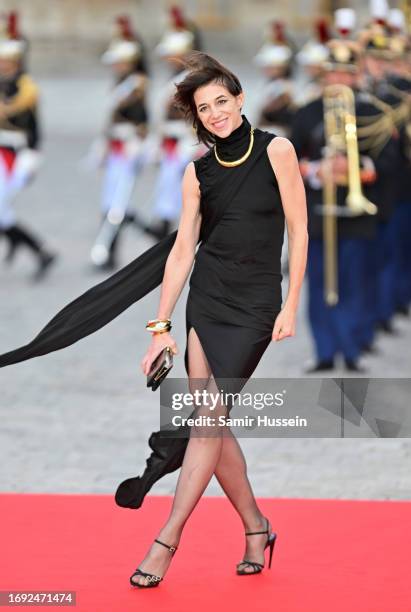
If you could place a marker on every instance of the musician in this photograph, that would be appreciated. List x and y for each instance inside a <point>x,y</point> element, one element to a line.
<point>19,150</point>
<point>336,328</point>
<point>399,82</point>
<point>122,148</point>
<point>378,57</point>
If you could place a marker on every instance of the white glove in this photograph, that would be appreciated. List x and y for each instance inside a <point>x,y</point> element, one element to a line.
<point>28,162</point>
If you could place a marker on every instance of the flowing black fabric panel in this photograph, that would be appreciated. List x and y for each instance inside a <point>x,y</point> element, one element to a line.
<point>98,305</point>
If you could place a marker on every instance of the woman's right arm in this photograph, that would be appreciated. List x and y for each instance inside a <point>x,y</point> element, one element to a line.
<point>178,264</point>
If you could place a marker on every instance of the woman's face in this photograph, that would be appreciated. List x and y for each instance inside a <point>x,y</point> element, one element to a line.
<point>218,110</point>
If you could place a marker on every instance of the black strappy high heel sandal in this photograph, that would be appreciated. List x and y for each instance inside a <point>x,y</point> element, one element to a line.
<point>271,538</point>
<point>153,580</point>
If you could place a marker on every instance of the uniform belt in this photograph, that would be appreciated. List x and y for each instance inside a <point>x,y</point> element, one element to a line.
<point>13,139</point>
<point>122,131</point>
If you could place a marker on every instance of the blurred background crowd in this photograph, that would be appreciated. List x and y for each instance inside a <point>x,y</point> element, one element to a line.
<point>92,148</point>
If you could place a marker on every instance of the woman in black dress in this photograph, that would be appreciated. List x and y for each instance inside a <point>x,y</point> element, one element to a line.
<point>235,201</point>
<point>234,303</point>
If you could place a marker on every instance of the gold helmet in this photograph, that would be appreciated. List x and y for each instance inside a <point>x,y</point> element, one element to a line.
<point>343,51</point>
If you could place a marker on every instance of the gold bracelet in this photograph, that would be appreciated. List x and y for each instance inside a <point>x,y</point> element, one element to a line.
<point>158,324</point>
<point>159,329</point>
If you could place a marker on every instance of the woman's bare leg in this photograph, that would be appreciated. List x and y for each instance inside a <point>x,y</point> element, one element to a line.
<point>231,473</point>
<point>200,459</point>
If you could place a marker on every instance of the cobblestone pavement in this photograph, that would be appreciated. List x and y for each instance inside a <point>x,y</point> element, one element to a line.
<point>78,420</point>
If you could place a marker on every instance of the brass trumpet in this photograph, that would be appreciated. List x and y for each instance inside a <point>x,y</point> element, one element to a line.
<point>340,129</point>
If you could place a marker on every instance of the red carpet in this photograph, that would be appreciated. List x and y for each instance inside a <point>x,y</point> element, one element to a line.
<point>330,555</point>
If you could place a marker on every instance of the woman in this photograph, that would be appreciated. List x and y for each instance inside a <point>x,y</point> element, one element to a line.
<point>235,200</point>
<point>235,291</point>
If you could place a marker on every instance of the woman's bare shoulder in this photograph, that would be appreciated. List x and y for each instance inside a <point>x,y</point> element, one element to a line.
<point>282,156</point>
<point>281,148</point>
<point>190,180</point>
<point>190,171</point>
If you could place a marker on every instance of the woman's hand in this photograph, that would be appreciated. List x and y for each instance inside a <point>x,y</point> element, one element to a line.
<point>158,342</point>
<point>284,325</point>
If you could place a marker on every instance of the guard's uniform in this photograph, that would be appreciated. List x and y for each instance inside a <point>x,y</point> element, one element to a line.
<point>19,139</point>
<point>125,142</point>
<point>123,150</point>
<point>19,154</point>
<point>177,149</point>
<point>381,46</point>
<point>383,250</point>
<point>402,213</point>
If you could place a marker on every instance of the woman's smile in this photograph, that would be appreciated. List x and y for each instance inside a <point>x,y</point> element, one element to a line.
<point>220,124</point>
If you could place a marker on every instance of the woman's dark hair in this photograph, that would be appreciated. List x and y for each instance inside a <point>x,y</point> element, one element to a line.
<point>203,69</point>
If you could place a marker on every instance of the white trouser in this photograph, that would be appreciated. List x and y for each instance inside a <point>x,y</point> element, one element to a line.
<point>13,181</point>
<point>168,197</point>
<point>119,180</point>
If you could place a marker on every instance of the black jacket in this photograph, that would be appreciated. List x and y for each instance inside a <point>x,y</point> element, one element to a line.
<point>26,120</point>
<point>308,137</point>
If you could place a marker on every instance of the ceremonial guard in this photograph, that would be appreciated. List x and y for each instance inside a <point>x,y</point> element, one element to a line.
<point>19,149</point>
<point>311,59</point>
<point>176,142</point>
<point>121,151</point>
<point>399,82</point>
<point>10,30</point>
<point>340,169</point>
<point>276,103</point>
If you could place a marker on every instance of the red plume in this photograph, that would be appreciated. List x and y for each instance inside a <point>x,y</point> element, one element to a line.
<point>344,32</point>
<point>125,27</point>
<point>322,31</point>
<point>278,30</point>
<point>177,17</point>
<point>13,25</point>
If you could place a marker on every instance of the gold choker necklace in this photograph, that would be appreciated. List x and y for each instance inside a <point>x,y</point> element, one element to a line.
<point>237,162</point>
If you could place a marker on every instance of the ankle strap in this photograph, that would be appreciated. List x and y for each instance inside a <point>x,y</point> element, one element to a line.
<point>172,549</point>
<point>255,532</point>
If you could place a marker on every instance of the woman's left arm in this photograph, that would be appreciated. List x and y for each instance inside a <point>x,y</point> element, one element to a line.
<point>284,162</point>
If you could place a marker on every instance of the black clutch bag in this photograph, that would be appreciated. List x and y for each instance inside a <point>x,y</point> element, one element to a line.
<point>160,368</point>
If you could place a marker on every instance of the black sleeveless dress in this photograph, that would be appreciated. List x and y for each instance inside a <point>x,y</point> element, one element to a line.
<point>235,286</point>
